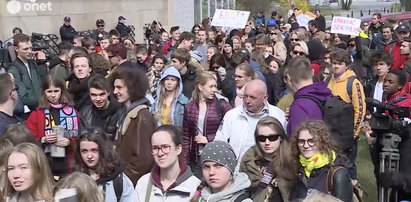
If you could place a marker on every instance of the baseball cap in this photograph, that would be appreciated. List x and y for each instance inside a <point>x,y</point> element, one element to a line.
<point>402,28</point>
<point>121,18</point>
<point>288,26</point>
<point>100,21</point>
<point>67,19</point>
<point>271,22</point>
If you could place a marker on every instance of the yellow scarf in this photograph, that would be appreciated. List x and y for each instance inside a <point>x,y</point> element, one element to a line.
<point>317,161</point>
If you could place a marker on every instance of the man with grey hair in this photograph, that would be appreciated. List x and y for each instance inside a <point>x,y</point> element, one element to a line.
<point>239,124</point>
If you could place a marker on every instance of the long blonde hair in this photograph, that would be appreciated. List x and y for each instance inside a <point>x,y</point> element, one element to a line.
<point>201,80</point>
<point>41,174</point>
<point>86,187</point>
<point>158,114</point>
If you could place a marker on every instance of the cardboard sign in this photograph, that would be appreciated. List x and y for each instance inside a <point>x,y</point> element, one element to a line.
<point>304,18</point>
<point>230,18</point>
<point>347,26</point>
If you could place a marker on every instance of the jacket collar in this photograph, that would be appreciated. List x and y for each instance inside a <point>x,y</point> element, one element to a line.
<point>184,174</point>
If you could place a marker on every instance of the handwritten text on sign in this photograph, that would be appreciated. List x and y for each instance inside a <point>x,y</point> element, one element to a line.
<point>230,18</point>
<point>344,25</point>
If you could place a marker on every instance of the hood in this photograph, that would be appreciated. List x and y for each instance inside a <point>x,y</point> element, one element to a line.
<point>185,173</point>
<point>345,76</point>
<point>240,183</point>
<point>170,71</point>
<point>317,90</point>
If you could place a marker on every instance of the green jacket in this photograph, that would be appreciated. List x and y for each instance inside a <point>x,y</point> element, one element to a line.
<point>60,72</point>
<point>29,87</point>
<point>249,166</point>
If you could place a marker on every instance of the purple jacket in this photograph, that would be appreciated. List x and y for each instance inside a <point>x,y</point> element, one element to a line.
<point>303,109</point>
<point>211,123</point>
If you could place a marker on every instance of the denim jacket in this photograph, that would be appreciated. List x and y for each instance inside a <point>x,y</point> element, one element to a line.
<point>177,108</point>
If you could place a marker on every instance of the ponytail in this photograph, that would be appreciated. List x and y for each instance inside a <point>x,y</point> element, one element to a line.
<point>197,195</point>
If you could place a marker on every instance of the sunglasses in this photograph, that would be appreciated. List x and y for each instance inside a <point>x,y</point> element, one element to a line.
<point>100,25</point>
<point>298,53</point>
<point>310,142</point>
<point>271,138</point>
<point>351,45</point>
<point>292,39</point>
<point>273,33</point>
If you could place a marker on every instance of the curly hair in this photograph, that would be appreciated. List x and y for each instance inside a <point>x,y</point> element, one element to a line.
<point>321,134</point>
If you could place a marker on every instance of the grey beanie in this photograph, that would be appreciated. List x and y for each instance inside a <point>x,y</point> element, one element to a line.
<point>220,152</point>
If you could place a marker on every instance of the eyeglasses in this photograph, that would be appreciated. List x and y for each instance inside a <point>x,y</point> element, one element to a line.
<point>298,53</point>
<point>310,142</point>
<point>271,138</point>
<point>164,148</point>
<point>351,45</point>
<point>16,88</point>
<point>292,39</point>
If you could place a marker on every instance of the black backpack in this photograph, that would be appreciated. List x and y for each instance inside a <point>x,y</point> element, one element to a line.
<point>339,115</point>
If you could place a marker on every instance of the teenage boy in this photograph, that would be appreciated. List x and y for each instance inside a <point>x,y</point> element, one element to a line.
<point>105,111</point>
<point>341,60</point>
<point>304,107</point>
<point>180,59</point>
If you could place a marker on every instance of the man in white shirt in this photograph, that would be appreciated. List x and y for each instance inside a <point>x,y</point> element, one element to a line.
<point>239,124</point>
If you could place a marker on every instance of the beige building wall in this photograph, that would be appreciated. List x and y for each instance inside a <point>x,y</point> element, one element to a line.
<point>46,16</point>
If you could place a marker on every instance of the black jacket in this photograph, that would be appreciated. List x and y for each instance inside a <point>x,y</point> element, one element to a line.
<point>105,119</point>
<point>67,33</point>
<point>79,91</point>
<point>189,79</point>
<point>123,29</point>
<point>342,187</point>
<point>321,22</point>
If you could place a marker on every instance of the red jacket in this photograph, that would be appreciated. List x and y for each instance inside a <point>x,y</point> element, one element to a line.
<point>36,124</point>
<point>398,59</point>
<point>403,103</point>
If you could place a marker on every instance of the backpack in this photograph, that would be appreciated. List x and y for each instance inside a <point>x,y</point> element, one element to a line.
<point>339,116</point>
<point>358,191</point>
<point>118,186</point>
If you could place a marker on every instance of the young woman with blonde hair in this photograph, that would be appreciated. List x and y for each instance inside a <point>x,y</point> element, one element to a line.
<point>28,175</point>
<point>86,189</point>
<point>202,116</point>
<point>168,108</point>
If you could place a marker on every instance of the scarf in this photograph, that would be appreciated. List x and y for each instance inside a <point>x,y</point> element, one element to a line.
<point>319,160</point>
<point>68,119</point>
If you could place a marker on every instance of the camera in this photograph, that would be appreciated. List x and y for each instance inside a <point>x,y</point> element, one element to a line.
<point>391,122</point>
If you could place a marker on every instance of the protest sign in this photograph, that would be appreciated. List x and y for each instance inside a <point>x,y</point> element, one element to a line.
<point>304,18</point>
<point>230,18</point>
<point>347,26</point>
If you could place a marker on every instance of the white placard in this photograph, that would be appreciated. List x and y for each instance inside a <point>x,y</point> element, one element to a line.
<point>347,26</point>
<point>303,20</point>
<point>230,18</point>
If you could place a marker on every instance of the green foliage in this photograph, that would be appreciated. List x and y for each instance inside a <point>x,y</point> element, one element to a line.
<point>396,7</point>
<point>255,6</point>
<point>406,5</point>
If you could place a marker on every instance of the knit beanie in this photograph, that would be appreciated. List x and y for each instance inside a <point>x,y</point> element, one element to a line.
<point>219,152</point>
<point>229,42</point>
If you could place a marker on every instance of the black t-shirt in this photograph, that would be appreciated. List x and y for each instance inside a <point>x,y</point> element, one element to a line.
<point>6,120</point>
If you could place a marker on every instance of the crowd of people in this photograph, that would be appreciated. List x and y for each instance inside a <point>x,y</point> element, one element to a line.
<point>271,112</point>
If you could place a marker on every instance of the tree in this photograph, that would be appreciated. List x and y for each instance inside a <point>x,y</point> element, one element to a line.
<point>255,6</point>
<point>346,4</point>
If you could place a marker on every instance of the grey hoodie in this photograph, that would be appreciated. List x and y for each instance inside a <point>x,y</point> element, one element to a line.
<point>241,182</point>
